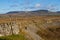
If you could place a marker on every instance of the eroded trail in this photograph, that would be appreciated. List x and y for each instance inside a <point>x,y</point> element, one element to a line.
<point>32,35</point>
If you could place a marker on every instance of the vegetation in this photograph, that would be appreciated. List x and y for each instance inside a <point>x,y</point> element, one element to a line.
<point>13,37</point>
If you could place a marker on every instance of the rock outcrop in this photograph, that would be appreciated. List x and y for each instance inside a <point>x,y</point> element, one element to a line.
<point>9,28</point>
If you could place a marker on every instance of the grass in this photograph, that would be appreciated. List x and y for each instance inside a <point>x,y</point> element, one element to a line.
<point>13,37</point>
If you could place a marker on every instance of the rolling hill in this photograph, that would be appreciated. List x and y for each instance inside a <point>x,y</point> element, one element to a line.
<point>36,13</point>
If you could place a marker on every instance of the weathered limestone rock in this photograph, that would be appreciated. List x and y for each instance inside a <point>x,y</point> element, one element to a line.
<point>9,28</point>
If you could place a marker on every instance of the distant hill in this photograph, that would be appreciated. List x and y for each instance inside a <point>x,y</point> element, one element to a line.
<point>13,12</point>
<point>58,11</point>
<point>37,12</point>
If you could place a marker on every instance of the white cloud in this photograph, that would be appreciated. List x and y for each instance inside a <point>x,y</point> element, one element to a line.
<point>37,5</point>
<point>51,7</point>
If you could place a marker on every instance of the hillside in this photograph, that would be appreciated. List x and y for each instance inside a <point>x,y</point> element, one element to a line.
<point>35,25</point>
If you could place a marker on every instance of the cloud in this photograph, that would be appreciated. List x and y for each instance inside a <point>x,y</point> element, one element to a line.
<point>14,6</point>
<point>37,5</point>
<point>51,7</point>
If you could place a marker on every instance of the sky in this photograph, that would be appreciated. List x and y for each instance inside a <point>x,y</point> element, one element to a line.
<point>29,5</point>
